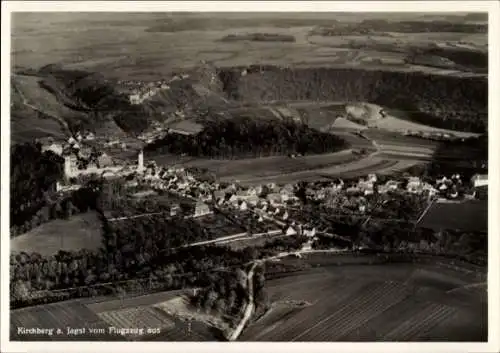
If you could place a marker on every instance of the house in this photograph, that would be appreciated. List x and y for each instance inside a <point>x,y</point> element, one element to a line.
<point>271,187</point>
<point>54,147</point>
<point>258,190</point>
<point>284,196</point>
<point>201,209</point>
<point>353,189</point>
<point>233,199</point>
<point>274,198</point>
<point>243,206</point>
<point>414,185</point>
<point>372,178</point>
<point>219,194</point>
<point>84,153</point>
<point>431,191</point>
<point>443,187</point>
<point>131,183</point>
<point>253,200</point>
<point>479,180</point>
<point>251,191</point>
<point>290,231</point>
<point>310,233</point>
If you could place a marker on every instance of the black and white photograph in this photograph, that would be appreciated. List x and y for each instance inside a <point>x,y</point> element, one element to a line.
<point>209,176</point>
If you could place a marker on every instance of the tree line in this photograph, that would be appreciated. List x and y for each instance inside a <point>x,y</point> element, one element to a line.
<point>241,137</point>
<point>33,175</point>
<point>443,101</point>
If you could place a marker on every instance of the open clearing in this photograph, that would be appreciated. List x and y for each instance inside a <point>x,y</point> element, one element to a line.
<point>371,302</point>
<point>76,233</point>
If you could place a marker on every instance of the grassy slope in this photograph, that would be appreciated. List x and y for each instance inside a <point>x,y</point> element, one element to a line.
<point>78,232</point>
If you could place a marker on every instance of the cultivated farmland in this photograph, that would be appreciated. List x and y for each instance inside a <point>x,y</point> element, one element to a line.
<point>346,302</point>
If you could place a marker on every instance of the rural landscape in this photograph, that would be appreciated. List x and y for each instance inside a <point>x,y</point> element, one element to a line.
<point>288,177</point>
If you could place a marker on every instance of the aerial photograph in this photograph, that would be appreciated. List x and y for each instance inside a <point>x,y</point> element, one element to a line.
<point>249,176</point>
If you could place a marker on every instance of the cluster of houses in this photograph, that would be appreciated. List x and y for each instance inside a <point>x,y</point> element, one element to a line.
<point>437,136</point>
<point>270,194</point>
<point>446,187</point>
<point>144,91</point>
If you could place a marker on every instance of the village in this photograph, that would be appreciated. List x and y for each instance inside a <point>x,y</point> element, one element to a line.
<point>234,212</point>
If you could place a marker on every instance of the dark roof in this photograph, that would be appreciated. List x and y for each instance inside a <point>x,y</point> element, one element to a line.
<point>469,216</point>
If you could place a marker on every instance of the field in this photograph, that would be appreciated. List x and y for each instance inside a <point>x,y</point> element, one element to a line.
<point>344,298</point>
<point>103,313</point>
<point>78,232</point>
<point>471,216</point>
<point>371,303</point>
<point>153,46</point>
<point>258,167</point>
<point>147,45</point>
<point>72,314</point>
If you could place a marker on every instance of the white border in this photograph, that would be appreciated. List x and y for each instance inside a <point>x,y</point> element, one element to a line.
<point>258,6</point>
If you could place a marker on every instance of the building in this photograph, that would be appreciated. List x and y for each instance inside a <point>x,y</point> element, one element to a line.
<point>135,99</point>
<point>174,209</point>
<point>290,231</point>
<point>70,166</point>
<point>201,209</point>
<point>54,147</point>
<point>274,198</point>
<point>140,162</point>
<point>479,180</point>
<point>104,161</point>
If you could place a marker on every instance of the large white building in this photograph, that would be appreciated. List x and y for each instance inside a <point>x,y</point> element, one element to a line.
<point>479,180</point>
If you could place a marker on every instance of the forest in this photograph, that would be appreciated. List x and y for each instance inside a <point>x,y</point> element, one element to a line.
<point>244,137</point>
<point>33,175</point>
<point>376,26</point>
<point>226,294</point>
<point>443,101</point>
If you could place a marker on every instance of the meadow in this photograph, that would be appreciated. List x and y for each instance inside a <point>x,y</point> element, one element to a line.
<point>81,231</point>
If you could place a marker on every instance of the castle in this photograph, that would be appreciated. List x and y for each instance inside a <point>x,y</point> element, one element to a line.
<point>71,167</point>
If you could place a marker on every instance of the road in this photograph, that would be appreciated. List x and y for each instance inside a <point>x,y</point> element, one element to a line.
<point>250,306</point>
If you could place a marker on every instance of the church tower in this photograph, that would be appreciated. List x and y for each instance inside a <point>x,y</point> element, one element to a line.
<point>140,161</point>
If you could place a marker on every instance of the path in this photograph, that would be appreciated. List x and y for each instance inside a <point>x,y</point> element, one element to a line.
<point>250,306</point>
